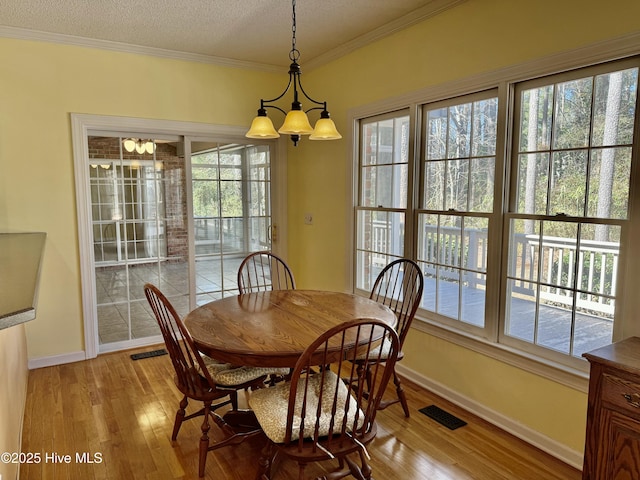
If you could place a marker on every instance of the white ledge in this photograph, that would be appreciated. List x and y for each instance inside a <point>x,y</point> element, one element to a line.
<point>20,261</point>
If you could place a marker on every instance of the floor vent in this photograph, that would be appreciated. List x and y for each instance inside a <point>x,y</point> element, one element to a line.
<point>445,418</point>
<point>152,353</point>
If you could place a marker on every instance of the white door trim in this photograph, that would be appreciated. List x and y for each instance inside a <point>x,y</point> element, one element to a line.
<point>83,125</point>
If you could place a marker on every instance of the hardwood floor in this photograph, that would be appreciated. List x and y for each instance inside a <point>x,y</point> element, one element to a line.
<point>119,413</point>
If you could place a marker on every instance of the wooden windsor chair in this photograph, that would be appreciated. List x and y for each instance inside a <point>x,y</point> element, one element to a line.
<point>204,380</point>
<point>399,286</point>
<point>317,416</point>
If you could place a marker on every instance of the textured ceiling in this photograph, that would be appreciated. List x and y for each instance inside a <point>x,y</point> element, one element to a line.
<point>256,31</point>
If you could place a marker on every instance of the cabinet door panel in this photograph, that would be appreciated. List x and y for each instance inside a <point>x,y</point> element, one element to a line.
<point>620,447</point>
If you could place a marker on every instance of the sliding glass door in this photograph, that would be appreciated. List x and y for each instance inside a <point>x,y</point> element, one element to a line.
<point>231,187</point>
<point>181,222</point>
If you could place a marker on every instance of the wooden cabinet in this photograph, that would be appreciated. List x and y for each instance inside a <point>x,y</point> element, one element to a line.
<point>612,448</point>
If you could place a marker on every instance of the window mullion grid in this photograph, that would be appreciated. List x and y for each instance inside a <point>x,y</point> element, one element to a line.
<point>390,241</point>
<point>459,262</point>
<point>470,156</point>
<point>590,148</point>
<point>446,162</point>
<point>465,268</point>
<point>158,186</point>
<point>452,258</point>
<point>550,150</point>
<point>122,205</point>
<point>577,276</point>
<point>219,214</point>
<point>414,179</point>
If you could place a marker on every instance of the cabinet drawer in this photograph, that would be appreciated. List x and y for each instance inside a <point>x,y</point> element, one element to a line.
<point>621,393</point>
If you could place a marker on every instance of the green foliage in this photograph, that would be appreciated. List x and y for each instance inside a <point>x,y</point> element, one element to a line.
<point>578,133</point>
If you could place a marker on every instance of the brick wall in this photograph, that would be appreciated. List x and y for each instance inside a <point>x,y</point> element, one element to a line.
<point>173,177</point>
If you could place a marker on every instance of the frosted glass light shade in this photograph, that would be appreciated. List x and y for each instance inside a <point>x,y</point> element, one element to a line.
<point>140,147</point>
<point>262,127</point>
<point>296,123</point>
<point>129,144</point>
<point>325,130</point>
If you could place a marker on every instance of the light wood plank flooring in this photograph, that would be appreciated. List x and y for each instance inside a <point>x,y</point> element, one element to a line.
<point>122,411</point>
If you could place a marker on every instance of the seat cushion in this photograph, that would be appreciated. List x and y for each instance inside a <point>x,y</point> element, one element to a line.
<point>214,366</point>
<point>239,375</point>
<point>228,375</point>
<point>271,404</point>
<point>373,354</point>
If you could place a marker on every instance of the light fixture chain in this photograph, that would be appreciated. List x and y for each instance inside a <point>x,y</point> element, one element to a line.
<point>294,55</point>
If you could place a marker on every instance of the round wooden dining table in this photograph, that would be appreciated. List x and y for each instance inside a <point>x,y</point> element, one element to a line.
<point>273,328</point>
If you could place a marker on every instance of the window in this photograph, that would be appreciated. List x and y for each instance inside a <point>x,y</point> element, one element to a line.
<point>571,163</point>
<point>458,169</point>
<point>517,226</point>
<point>382,208</point>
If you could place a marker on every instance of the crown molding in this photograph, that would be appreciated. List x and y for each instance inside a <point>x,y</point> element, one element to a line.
<point>59,38</point>
<point>429,10</point>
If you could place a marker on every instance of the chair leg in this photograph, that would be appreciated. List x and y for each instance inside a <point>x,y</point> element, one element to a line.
<point>360,473</point>
<point>204,440</point>
<point>401,396</point>
<point>301,467</point>
<point>366,468</point>
<point>265,461</point>
<point>179,418</point>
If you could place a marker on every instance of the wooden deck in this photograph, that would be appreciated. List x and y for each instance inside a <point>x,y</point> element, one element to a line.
<point>554,324</point>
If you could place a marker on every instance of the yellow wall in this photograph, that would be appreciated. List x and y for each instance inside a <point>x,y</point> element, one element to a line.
<point>475,37</point>
<point>13,391</point>
<point>41,84</point>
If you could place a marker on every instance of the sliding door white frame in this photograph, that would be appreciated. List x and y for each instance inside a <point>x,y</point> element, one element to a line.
<point>83,126</point>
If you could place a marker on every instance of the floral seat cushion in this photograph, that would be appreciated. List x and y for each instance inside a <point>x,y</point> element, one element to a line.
<point>373,354</point>
<point>226,374</point>
<point>270,406</point>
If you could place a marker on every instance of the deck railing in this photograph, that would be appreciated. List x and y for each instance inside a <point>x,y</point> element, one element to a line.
<point>551,267</point>
<point>557,263</point>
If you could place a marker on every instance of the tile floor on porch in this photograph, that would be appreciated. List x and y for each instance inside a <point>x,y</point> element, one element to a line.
<point>119,297</point>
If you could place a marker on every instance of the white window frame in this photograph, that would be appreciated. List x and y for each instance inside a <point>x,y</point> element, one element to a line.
<point>574,375</point>
<point>511,213</point>
<point>493,217</point>
<point>405,210</point>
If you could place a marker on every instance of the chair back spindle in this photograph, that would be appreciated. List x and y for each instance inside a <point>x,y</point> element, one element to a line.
<point>399,286</point>
<point>263,271</point>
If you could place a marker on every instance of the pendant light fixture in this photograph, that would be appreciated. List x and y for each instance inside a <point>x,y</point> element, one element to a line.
<point>139,145</point>
<point>296,122</point>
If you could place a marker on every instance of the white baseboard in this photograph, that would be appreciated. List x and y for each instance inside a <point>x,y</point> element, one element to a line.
<point>56,360</point>
<point>544,443</point>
